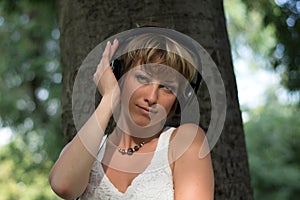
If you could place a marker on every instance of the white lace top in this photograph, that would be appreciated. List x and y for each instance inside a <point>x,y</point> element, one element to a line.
<point>156,182</point>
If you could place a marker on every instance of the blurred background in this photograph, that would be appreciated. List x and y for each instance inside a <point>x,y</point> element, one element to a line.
<point>265,42</point>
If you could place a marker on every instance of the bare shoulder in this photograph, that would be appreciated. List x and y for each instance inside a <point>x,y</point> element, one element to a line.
<point>192,171</point>
<point>186,139</point>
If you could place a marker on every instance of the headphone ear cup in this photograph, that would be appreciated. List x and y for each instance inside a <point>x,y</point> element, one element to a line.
<point>118,66</point>
<point>190,93</point>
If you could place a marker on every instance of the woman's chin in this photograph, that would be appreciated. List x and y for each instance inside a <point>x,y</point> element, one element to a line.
<point>143,123</point>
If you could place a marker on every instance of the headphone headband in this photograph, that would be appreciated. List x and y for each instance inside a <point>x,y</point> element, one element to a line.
<point>183,40</point>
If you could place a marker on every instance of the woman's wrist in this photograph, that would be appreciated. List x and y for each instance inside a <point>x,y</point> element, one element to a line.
<point>107,106</point>
<point>111,100</point>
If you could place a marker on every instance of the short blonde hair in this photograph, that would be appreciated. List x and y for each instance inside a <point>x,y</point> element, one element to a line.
<point>153,48</point>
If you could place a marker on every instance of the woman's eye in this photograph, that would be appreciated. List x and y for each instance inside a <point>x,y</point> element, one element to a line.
<point>142,79</point>
<point>169,89</point>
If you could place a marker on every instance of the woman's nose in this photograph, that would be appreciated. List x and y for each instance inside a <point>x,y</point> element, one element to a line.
<point>152,93</point>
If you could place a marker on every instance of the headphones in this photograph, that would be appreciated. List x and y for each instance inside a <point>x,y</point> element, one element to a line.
<point>118,65</point>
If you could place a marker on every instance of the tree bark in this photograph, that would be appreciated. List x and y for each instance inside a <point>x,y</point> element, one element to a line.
<point>84,24</point>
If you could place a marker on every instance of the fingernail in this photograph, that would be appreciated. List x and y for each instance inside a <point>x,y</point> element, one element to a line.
<point>108,42</point>
<point>115,40</point>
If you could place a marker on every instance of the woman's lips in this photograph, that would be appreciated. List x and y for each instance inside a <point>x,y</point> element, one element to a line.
<point>147,110</point>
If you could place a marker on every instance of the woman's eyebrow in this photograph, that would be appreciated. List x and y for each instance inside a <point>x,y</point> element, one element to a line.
<point>170,82</point>
<point>145,71</point>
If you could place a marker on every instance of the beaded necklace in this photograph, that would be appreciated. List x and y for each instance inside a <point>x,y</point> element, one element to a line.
<point>130,150</point>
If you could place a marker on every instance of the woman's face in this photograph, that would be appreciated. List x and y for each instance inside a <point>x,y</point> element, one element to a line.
<point>148,94</point>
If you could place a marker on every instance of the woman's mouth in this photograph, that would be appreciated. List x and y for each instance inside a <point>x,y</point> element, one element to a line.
<point>147,110</point>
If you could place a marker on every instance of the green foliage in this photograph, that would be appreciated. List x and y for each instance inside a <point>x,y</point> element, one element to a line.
<point>284,17</point>
<point>273,145</point>
<point>24,172</point>
<point>248,36</point>
<point>30,97</point>
<point>272,132</point>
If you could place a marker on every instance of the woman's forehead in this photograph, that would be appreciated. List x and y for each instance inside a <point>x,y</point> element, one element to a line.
<point>160,72</point>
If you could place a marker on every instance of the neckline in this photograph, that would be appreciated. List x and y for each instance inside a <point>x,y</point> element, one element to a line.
<point>135,179</point>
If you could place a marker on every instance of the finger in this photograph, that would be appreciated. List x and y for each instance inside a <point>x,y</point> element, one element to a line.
<point>114,47</point>
<point>96,78</point>
<point>105,60</point>
<point>106,51</point>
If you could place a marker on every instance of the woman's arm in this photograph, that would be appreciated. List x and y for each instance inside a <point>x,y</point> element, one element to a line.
<point>70,174</point>
<point>193,176</point>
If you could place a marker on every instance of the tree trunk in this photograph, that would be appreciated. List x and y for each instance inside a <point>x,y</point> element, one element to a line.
<point>84,24</point>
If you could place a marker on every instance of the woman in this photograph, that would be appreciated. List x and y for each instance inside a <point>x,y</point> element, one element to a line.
<point>141,158</point>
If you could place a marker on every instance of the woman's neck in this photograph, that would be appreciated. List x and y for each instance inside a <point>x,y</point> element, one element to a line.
<point>129,134</point>
<point>127,140</point>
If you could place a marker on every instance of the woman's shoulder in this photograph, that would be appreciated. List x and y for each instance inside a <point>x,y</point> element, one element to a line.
<point>190,132</point>
<point>188,139</point>
<point>192,168</point>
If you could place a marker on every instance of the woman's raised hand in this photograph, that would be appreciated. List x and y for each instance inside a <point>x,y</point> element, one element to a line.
<point>104,77</point>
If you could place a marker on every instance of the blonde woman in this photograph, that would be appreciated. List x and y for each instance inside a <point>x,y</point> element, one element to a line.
<point>141,158</point>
